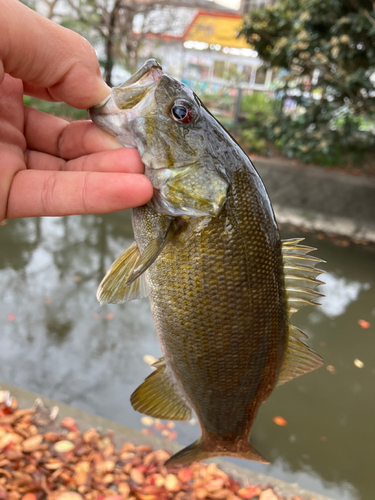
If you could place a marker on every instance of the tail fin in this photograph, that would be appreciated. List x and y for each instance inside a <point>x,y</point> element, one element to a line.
<point>197,451</point>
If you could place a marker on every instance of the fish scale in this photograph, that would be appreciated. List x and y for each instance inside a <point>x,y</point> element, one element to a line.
<point>207,252</point>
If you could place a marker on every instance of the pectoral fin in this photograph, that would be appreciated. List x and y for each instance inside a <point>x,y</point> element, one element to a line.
<point>114,288</point>
<point>150,254</point>
<point>158,398</point>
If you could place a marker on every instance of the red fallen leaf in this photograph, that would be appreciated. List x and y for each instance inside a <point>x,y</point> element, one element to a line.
<point>185,475</point>
<point>249,492</point>
<point>11,317</point>
<point>280,421</point>
<point>159,426</point>
<point>363,323</point>
<point>109,316</point>
<point>172,436</point>
<point>29,496</point>
<point>147,431</point>
<point>70,424</point>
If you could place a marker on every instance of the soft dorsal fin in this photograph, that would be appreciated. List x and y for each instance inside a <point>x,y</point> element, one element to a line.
<point>114,288</point>
<point>300,283</point>
<point>158,398</point>
<point>299,359</point>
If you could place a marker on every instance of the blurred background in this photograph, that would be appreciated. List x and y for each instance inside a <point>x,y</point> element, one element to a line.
<point>293,81</point>
<point>290,77</point>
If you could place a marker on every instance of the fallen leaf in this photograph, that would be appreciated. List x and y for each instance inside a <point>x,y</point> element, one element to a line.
<point>109,316</point>
<point>358,363</point>
<point>147,421</point>
<point>96,316</point>
<point>69,495</point>
<point>147,432</point>
<point>11,317</point>
<point>69,423</point>
<point>172,483</point>
<point>63,446</point>
<point>280,421</point>
<point>185,475</point>
<point>331,369</point>
<point>77,278</point>
<point>249,492</point>
<point>29,496</point>
<point>363,323</point>
<point>268,495</point>
<point>323,438</point>
<point>32,443</point>
<point>172,436</point>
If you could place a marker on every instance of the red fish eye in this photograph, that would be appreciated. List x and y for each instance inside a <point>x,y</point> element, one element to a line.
<point>182,112</point>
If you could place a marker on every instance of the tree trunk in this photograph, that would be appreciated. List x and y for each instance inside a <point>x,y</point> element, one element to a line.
<point>109,43</point>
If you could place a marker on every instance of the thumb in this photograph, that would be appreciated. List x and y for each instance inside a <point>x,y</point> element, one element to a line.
<point>54,62</point>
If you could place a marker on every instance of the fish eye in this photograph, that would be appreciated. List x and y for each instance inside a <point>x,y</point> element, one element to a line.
<point>182,111</point>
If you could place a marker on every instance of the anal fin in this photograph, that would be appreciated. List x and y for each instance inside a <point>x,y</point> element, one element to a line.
<point>158,398</point>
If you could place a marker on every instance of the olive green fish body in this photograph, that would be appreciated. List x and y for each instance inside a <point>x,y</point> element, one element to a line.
<point>208,253</point>
<point>220,309</point>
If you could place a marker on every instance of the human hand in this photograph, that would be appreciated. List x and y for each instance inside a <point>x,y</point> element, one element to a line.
<point>49,166</point>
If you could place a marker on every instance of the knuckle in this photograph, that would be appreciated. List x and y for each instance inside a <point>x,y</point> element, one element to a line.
<point>47,193</point>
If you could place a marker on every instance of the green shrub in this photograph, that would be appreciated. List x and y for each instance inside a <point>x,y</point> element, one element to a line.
<point>56,108</point>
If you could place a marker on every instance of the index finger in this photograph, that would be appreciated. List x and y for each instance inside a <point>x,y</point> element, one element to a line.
<point>46,55</point>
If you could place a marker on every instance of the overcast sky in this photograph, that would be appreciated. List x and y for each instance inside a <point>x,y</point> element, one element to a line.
<point>233,4</point>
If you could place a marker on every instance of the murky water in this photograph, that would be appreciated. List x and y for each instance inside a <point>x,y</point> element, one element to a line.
<point>56,340</point>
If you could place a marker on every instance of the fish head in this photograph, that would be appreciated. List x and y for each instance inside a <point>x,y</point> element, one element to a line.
<point>168,124</point>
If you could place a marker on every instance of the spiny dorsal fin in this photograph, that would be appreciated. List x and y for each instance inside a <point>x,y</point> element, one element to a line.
<point>300,274</point>
<point>114,289</point>
<point>300,283</point>
<point>158,398</point>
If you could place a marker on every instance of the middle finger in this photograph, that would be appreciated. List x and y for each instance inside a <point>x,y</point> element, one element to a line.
<point>125,160</point>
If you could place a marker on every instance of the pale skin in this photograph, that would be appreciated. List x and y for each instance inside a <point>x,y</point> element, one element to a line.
<point>49,166</point>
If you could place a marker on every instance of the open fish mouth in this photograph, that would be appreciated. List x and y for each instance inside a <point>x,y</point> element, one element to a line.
<point>131,93</point>
<point>134,98</point>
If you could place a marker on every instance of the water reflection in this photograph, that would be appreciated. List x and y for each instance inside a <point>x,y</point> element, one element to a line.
<point>339,292</point>
<point>56,340</point>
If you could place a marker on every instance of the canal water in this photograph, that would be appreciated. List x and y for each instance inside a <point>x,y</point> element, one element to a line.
<point>56,340</point>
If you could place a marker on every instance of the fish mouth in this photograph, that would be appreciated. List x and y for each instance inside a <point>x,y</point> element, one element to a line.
<point>135,89</point>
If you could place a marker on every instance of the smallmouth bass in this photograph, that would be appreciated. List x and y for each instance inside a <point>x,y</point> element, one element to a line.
<point>207,251</point>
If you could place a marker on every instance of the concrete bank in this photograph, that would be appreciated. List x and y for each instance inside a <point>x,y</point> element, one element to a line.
<point>123,434</point>
<point>320,199</point>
